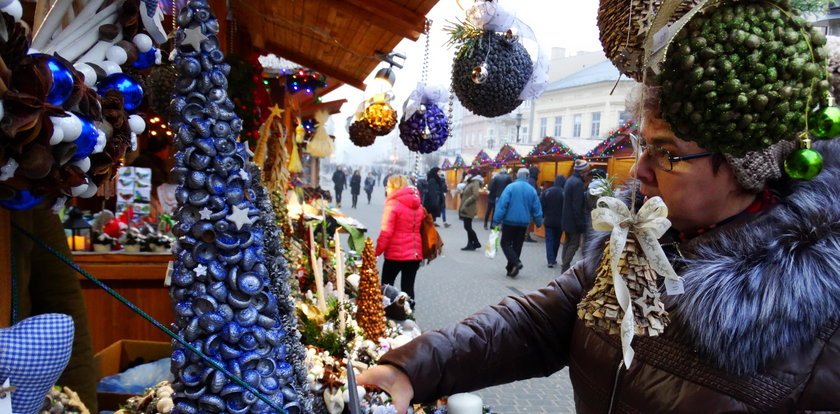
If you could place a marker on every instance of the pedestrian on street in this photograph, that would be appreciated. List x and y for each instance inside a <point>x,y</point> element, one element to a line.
<point>339,182</point>
<point>755,327</point>
<point>533,179</point>
<point>385,181</point>
<point>399,236</point>
<point>574,212</point>
<point>355,186</point>
<point>370,181</point>
<point>552,205</point>
<point>469,208</point>
<point>497,185</point>
<point>434,188</point>
<point>515,209</point>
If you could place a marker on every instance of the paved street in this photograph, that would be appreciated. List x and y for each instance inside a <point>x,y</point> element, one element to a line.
<point>459,283</point>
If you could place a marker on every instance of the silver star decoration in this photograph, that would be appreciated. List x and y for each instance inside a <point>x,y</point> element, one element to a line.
<point>240,217</point>
<point>200,270</point>
<point>205,213</point>
<point>193,37</point>
<point>243,174</point>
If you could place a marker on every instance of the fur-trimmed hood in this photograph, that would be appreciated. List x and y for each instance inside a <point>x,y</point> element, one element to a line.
<point>761,287</point>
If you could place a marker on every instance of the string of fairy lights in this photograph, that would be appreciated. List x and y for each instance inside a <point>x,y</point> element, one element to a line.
<point>549,147</point>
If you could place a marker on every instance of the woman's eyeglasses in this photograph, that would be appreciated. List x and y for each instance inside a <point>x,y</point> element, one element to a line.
<point>660,157</point>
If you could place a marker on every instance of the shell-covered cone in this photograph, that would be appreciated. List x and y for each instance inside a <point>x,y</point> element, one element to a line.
<point>600,309</point>
<point>623,50</point>
<point>224,293</point>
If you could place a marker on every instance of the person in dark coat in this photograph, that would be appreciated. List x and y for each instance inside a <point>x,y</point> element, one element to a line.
<point>497,185</point>
<point>339,182</point>
<point>370,181</point>
<point>533,179</point>
<point>431,196</point>
<point>753,314</point>
<point>552,205</point>
<point>355,186</point>
<point>574,212</point>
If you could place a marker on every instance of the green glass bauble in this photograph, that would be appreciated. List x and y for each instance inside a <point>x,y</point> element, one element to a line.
<point>804,164</point>
<point>825,123</point>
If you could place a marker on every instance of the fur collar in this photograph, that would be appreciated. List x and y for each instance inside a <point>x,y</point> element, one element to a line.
<point>761,287</point>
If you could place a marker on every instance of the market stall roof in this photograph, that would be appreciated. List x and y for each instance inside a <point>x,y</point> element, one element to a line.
<point>446,164</point>
<point>459,162</point>
<point>511,154</point>
<point>550,149</point>
<point>482,159</point>
<point>338,38</point>
<point>616,142</point>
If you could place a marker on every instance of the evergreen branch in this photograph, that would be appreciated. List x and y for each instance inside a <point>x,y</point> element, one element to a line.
<point>462,35</point>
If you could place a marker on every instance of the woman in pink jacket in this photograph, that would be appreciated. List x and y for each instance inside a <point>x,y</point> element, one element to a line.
<point>399,237</point>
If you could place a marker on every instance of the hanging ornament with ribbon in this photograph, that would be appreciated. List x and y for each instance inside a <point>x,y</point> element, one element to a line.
<point>625,299</point>
<point>498,62</point>
<point>321,144</point>
<point>379,115</point>
<point>424,126</point>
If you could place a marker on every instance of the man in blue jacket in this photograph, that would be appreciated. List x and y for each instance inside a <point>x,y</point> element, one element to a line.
<point>517,206</point>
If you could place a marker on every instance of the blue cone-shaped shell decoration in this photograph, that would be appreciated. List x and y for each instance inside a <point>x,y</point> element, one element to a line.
<point>226,281</point>
<point>426,130</point>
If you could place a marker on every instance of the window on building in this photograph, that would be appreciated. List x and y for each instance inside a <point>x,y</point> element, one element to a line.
<point>576,125</point>
<point>543,127</point>
<point>623,117</point>
<point>524,135</point>
<point>596,124</point>
<point>558,126</point>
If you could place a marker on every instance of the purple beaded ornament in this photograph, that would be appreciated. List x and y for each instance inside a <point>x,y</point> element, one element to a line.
<point>426,130</point>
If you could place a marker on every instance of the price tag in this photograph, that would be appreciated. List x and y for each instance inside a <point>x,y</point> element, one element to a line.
<point>674,287</point>
<point>5,399</point>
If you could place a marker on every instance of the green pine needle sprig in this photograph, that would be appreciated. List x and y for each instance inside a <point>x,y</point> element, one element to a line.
<point>463,35</point>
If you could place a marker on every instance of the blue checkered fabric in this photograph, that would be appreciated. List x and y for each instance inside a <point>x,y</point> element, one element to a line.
<point>33,354</point>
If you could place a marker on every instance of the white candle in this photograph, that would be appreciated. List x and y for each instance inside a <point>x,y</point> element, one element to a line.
<point>339,269</point>
<point>464,403</point>
<point>319,285</point>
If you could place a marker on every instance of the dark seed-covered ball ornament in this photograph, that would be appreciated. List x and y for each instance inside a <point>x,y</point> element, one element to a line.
<point>426,130</point>
<point>361,134</point>
<point>489,73</point>
<point>742,76</point>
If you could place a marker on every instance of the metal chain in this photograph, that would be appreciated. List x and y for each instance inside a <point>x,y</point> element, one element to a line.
<point>424,77</point>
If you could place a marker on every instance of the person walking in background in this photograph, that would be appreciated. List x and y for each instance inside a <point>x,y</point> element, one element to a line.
<point>497,185</point>
<point>339,182</point>
<point>431,196</point>
<point>355,186</point>
<point>370,181</point>
<point>533,179</point>
<point>443,190</point>
<point>385,181</point>
<point>399,236</point>
<point>515,209</point>
<point>469,207</point>
<point>552,204</point>
<point>574,212</point>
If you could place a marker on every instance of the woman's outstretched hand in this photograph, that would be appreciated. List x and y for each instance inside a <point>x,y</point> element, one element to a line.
<point>391,380</point>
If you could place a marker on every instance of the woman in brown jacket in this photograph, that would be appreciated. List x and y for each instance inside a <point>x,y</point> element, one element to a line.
<point>469,207</point>
<point>756,329</point>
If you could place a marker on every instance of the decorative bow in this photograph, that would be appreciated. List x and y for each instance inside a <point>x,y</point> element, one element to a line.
<point>648,225</point>
<point>423,95</point>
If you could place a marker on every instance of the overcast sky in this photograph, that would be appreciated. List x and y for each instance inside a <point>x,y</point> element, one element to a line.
<point>570,24</point>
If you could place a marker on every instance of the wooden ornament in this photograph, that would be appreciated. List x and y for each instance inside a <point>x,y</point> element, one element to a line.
<point>600,308</point>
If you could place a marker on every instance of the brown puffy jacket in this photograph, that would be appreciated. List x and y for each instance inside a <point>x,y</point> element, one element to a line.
<point>755,331</point>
